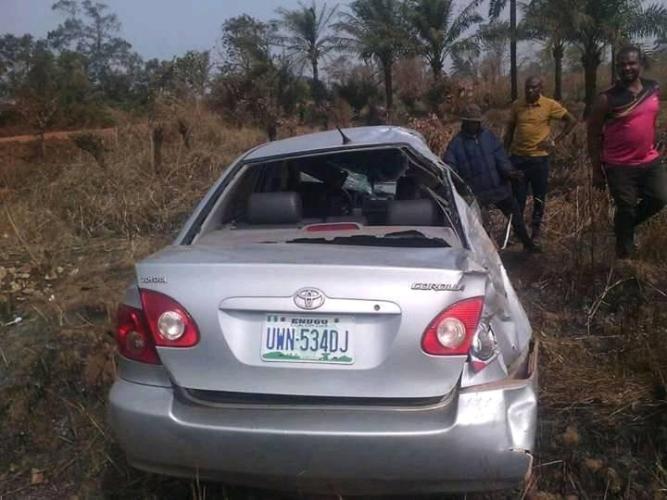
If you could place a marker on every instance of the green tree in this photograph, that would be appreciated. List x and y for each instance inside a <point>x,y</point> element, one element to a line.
<point>550,21</point>
<point>438,31</point>
<point>637,22</point>
<point>493,38</point>
<point>305,37</point>
<point>357,89</point>
<point>495,9</point>
<point>598,23</point>
<point>375,30</point>
<point>52,88</point>
<point>253,84</point>
<point>92,31</point>
<point>191,73</point>
<point>15,61</point>
<point>246,45</point>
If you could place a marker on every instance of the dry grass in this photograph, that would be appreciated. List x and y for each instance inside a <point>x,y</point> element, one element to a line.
<point>603,328</point>
<point>62,203</point>
<point>71,230</point>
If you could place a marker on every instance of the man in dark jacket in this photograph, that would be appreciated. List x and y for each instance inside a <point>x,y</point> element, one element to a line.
<point>478,157</point>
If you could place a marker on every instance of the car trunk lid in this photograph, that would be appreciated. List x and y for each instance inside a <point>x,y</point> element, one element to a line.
<point>244,298</point>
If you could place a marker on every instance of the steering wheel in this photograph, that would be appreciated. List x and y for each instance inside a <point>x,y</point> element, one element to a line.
<point>340,202</point>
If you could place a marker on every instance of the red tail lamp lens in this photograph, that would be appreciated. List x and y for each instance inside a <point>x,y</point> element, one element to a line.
<point>132,336</point>
<point>169,322</point>
<point>332,226</point>
<point>451,332</point>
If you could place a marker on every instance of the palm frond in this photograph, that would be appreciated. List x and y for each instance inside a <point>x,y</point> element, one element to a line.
<point>648,22</point>
<point>304,33</point>
<point>496,7</point>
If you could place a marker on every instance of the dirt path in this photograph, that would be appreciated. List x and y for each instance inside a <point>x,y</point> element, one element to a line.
<point>58,135</point>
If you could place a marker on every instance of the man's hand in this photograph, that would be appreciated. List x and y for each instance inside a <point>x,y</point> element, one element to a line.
<point>547,145</point>
<point>599,181</point>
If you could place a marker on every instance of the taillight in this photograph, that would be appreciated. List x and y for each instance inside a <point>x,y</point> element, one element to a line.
<point>332,226</point>
<point>168,321</point>
<point>452,331</point>
<point>484,347</point>
<point>133,337</point>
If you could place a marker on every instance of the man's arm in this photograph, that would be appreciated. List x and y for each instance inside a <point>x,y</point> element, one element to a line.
<point>595,125</point>
<point>450,157</point>
<point>503,164</point>
<point>659,144</point>
<point>570,123</point>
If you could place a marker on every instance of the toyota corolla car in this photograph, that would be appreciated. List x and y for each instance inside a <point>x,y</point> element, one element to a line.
<point>331,318</point>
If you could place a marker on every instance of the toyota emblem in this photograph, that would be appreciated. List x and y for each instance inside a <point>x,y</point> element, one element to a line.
<point>309,298</point>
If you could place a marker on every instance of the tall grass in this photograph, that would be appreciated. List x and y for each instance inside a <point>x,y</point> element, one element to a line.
<point>73,198</point>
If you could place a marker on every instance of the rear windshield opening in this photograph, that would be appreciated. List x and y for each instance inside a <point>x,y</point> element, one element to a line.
<point>374,187</point>
<point>407,239</point>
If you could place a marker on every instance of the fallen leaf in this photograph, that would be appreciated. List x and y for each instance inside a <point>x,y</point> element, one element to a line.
<point>593,464</point>
<point>614,480</point>
<point>571,437</point>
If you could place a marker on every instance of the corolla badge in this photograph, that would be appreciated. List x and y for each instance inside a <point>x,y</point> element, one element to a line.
<point>309,298</point>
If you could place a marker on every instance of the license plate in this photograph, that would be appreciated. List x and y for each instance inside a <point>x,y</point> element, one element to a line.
<point>307,339</point>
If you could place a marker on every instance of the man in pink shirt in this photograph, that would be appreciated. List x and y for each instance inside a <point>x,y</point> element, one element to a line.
<point>622,148</point>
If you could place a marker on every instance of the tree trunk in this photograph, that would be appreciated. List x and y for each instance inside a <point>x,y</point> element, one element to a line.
<point>157,136</point>
<point>513,64</point>
<point>316,81</point>
<point>613,64</point>
<point>436,67</point>
<point>558,52</point>
<point>185,130</point>
<point>591,61</point>
<point>388,85</point>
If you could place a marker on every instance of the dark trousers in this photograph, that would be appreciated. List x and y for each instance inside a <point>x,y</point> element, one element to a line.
<point>639,193</point>
<point>510,208</point>
<point>536,176</point>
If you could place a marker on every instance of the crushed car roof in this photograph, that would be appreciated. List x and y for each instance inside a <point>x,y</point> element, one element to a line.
<point>332,139</point>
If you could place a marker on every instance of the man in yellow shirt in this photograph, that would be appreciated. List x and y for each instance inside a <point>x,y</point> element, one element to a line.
<point>528,139</point>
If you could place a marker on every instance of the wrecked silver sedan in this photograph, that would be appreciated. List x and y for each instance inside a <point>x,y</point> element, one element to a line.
<point>332,318</point>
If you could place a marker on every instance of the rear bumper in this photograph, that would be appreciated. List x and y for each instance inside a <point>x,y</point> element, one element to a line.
<point>479,440</point>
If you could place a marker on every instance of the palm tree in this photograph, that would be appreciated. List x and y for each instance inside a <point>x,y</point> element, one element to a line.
<point>600,22</point>
<point>438,31</point>
<point>305,37</point>
<point>375,30</point>
<point>495,8</point>
<point>636,22</point>
<point>550,21</point>
<point>493,39</point>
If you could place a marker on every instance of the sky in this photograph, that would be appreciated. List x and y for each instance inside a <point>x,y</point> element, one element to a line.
<point>155,28</point>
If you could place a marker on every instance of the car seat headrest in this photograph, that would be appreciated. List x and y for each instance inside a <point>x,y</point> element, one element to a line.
<point>414,213</point>
<point>274,208</point>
